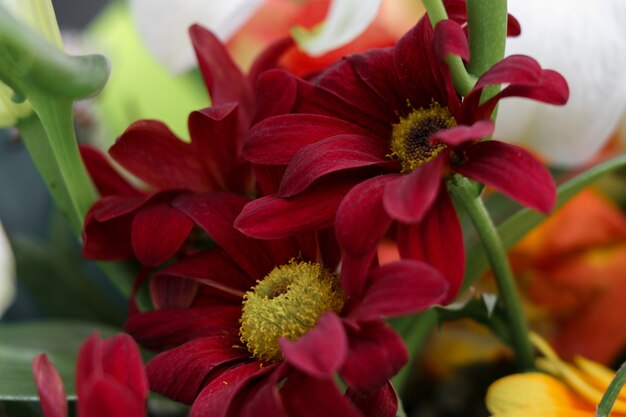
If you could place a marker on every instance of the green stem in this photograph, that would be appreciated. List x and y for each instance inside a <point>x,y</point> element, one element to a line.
<point>609,397</point>
<point>464,192</point>
<point>462,80</point>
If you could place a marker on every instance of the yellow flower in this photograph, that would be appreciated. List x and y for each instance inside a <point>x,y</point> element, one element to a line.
<point>565,389</point>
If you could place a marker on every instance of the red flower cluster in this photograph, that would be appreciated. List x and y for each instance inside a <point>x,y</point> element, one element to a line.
<point>358,152</point>
<point>110,380</point>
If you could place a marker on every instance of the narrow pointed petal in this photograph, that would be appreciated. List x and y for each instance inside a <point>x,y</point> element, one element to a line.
<point>269,58</point>
<point>512,171</point>
<point>313,354</point>
<point>171,164</point>
<point>337,153</point>
<point>50,388</point>
<point>401,288</point>
<point>354,272</point>
<point>273,217</point>
<point>459,135</point>
<point>409,197</point>
<point>346,20</point>
<point>381,403</point>
<point>374,342</point>
<point>450,39</point>
<point>438,241</point>
<point>106,179</point>
<point>305,396</point>
<point>363,205</point>
<point>179,373</point>
<point>158,231</point>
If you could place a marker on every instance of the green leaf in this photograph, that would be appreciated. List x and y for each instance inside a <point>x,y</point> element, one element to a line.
<point>21,342</point>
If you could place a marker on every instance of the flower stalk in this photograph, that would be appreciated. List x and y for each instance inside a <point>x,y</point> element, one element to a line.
<point>611,393</point>
<point>463,191</point>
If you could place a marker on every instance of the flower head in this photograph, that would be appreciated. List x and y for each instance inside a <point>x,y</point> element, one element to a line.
<point>371,141</point>
<point>264,326</point>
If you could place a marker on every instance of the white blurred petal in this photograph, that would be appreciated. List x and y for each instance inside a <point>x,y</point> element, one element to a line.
<point>345,21</point>
<point>7,273</point>
<point>586,42</point>
<point>163,25</point>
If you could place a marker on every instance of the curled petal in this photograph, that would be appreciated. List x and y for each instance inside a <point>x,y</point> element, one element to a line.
<point>459,135</point>
<point>50,388</point>
<point>450,39</point>
<point>381,403</point>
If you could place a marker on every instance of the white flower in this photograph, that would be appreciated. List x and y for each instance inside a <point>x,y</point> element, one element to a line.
<point>586,42</point>
<point>7,273</point>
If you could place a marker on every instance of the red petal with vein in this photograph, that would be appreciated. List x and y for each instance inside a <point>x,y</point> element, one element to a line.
<point>363,205</point>
<point>512,171</point>
<point>107,180</point>
<point>400,288</point>
<point>512,69</point>
<point>376,353</point>
<point>222,76</point>
<point>450,39</point>
<point>410,196</point>
<point>320,352</point>
<point>381,403</point>
<point>216,136</point>
<point>268,58</point>
<point>122,362</point>
<point>158,231</point>
<point>110,207</point>
<point>459,135</point>
<point>275,94</point>
<point>333,154</point>
<point>109,240</point>
<point>215,214</point>
<point>215,399</point>
<point>89,363</point>
<point>50,387</point>
<point>354,271</point>
<point>276,140</point>
<point>438,241</point>
<point>181,372</point>
<point>266,401</point>
<point>305,396</point>
<point>153,153</point>
<point>161,329</point>
<point>273,217</point>
<point>168,292</point>
<point>107,397</point>
<point>213,269</point>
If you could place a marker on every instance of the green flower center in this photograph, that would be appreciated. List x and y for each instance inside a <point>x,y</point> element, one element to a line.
<point>287,303</point>
<point>409,138</point>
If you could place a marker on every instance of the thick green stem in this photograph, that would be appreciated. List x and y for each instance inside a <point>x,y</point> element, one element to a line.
<point>464,193</point>
<point>609,397</point>
<point>462,80</point>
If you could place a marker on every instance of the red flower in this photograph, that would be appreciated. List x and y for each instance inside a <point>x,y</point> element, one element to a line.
<point>371,140</point>
<point>110,380</point>
<point>261,327</point>
<point>126,222</point>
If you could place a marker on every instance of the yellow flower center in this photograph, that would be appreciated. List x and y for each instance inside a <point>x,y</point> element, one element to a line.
<point>287,303</point>
<point>410,137</point>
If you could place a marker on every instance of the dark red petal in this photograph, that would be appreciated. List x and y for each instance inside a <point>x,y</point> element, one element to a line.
<point>363,205</point>
<point>354,271</point>
<point>89,363</point>
<point>305,396</point>
<point>168,292</point>
<point>215,135</point>
<point>150,150</point>
<point>400,288</point>
<point>268,58</point>
<point>512,69</point>
<point>450,39</point>
<point>106,179</point>
<point>50,387</point>
<point>110,207</point>
<point>122,362</point>
<point>158,231</point>
<point>381,403</point>
<point>266,401</point>
<point>438,241</point>
<point>222,77</point>
<point>459,135</point>
<point>512,171</point>
<point>276,92</point>
<point>215,214</point>
<point>320,352</point>
<point>275,140</point>
<point>109,240</point>
<point>107,397</point>
<point>513,27</point>
<point>180,373</point>
<point>215,399</point>
<point>273,217</point>
<point>336,153</point>
<point>409,197</point>
<point>161,329</point>
<point>213,269</point>
<point>376,354</point>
